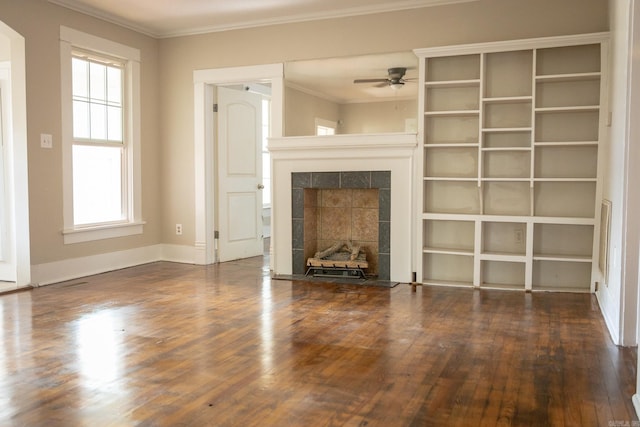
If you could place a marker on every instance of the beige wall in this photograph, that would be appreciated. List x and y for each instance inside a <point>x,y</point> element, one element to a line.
<point>167,91</point>
<point>302,109</point>
<point>39,23</point>
<point>485,20</point>
<point>377,117</point>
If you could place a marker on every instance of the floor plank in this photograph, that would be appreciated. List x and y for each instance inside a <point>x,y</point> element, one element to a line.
<point>168,344</point>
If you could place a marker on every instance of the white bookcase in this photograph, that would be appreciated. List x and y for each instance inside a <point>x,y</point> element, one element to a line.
<point>509,190</point>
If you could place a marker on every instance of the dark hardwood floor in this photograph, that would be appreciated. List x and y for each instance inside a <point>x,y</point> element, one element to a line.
<point>169,344</point>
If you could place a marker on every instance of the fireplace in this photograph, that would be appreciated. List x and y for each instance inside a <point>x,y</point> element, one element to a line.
<point>342,206</point>
<point>379,162</point>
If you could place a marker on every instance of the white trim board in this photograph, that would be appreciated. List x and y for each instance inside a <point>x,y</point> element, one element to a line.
<point>74,268</point>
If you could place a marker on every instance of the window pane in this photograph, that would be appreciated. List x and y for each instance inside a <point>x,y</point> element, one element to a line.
<point>97,185</point>
<point>98,81</point>
<point>80,78</point>
<point>114,85</point>
<point>98,121</point>
<point>114,123</point>
<point>80,119</point>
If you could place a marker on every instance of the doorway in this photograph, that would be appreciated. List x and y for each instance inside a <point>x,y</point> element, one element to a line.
<point>206,181</point>
<point>15,265</point>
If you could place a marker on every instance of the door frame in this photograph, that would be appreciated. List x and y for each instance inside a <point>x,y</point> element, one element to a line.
<point>16,152</point>
<point>204,146</point>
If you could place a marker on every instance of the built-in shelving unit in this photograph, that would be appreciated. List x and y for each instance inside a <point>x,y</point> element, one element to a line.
<point>509,189</point>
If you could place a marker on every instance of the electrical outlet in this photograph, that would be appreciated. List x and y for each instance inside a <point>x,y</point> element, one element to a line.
<point>179,229</point>
<point>46,140</point>
<point>518,235</point>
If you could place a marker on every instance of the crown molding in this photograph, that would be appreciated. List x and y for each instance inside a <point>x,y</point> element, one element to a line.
<point>287,19</point>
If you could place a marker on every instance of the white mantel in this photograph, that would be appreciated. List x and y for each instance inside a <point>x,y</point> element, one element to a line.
<point>363,152</point>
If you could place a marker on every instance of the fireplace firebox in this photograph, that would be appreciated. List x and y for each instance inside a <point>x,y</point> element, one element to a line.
<point>328,207</point>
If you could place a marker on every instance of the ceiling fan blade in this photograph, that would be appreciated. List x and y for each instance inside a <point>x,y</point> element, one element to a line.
<point>370,80</point>
<point>382,84</point>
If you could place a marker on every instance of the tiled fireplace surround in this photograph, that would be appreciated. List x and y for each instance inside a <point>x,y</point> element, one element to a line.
<point>305,241</point>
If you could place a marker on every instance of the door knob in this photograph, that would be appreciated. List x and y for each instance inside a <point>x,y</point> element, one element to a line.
<point>260,186</point>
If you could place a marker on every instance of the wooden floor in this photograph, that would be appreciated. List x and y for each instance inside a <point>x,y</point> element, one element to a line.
<point>177,345</point>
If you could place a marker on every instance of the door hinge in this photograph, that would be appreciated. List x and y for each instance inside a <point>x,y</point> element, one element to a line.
<point>216,234</point>
<point>215,108</point>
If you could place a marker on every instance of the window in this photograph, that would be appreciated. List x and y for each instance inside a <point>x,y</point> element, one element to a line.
<point>325,127</point>
<point>101,154</point>
<point>98,143</point>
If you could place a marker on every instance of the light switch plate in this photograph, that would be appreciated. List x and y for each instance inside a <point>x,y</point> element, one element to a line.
<point>46,140</point>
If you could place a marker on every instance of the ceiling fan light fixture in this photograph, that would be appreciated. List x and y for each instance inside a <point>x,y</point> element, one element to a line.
<point>396,85</point>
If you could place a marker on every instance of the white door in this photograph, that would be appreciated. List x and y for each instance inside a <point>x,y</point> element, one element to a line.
<point>7,262</point>
<point>239,174</point>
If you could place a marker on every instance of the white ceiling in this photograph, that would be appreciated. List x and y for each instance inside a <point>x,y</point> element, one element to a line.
<point>331,78</point>
<point>168,18</point>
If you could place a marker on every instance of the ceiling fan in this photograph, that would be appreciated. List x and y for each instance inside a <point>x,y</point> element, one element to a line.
<point>395,78</point>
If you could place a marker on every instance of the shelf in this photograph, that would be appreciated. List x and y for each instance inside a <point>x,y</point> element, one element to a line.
<point>427,250</point>
<point>451,145</point>
<point>565,143</point>
<point>451,197</point>
<point>451,178</point>
<point>452,98</point>
<point>507,115</point>
<point>499,256</point>
<point>568,60</point>
<point>508,100</point>
<point>509,179</point>
<point>571,77</point>
<point>453,68</point>
<point>564,258</point>
<point>451,129</point>
<point>566,126</point>
<point>567,93</point>
<point>565,180</point>
<point>508,73</point>
<point>569,199</point>
<point>448,283</point>
<point>527,129</point>
<point>447,268</point>
<point>551,162</point>
<point>506,149</point>
<point>561,276</point>
<point>446,236</point>
<point>498,164</point>
<point>452,113</point>
<point>515,138</point>
<point>506,198</point>
<point>451,162</point>
<point>454,83</point>
<point>504,240</point>
<point>570,220</point>
<point>563,241</point>
<point>502,274</point>
<point>567,109</point>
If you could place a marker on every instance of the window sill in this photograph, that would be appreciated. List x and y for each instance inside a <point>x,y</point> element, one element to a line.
<point>87,234</point>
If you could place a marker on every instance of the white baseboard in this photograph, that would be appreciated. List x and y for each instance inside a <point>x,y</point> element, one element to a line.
<point>611,327</point>
<point>636,403</point>
<point>59,271</point>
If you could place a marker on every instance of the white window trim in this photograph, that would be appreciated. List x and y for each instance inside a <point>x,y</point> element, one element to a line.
<point>70,38</point>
